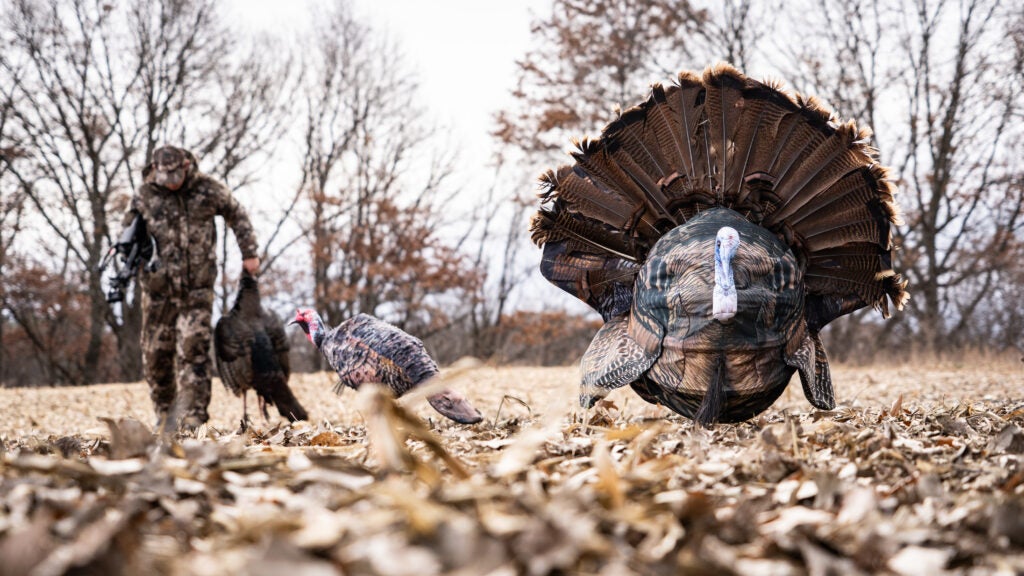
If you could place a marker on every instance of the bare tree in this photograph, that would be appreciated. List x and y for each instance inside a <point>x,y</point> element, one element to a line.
<point>12,198</point>
<point>70,99</point>
<point>375,195</point>
<point>733,30</point>
<point>963,213</point>
<point>590,56</point>
<point>842,58</point>
<point>946,112</point>
<point>499,239</point>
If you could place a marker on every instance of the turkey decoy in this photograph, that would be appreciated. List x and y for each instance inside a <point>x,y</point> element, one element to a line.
<point>717,227</point>
<point>366,349</point>
<point>251,350</point>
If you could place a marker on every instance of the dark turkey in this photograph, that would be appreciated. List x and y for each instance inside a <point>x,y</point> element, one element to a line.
<point>251,350</point>
<point>717,227</point>
<point>365,349</point>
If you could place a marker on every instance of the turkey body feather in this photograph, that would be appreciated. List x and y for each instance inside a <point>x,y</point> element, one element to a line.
<point>631,228</point>
<point>251,352</point>
<point>365,349</point>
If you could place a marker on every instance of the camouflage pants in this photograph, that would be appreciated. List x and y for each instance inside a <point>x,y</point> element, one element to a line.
<point>176,352</point>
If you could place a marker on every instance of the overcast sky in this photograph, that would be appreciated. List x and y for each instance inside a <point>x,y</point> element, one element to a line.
<point>464,52</point>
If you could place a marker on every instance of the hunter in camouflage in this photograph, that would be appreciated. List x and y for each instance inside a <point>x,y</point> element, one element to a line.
<point>178,204</point>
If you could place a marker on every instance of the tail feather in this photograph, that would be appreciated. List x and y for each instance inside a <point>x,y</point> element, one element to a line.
<point>557,225</point>
<point>599,164</point>
<point>287,404</point>
<point>853,191</point>
<point>666,130</point>
<point>834,232</point>
<point>856,256</point>
<point>724,85</point>
<point>689,102</point>
<point>721,138</point>
<point>757,115</point>
<point>863,283</point>
<point>270,382</point>
<point>657,200</point>
<point>803,139</point>
<point>582,195</point>
<point>836,157</point>
<point>842,224</point>
<point>637,139</point>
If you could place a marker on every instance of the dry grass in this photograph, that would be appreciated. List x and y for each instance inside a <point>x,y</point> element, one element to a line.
<point>919,469</point>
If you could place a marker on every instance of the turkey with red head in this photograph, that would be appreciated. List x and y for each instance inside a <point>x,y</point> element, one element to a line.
<point>717,228</point>
<point>366,349</point>
<point>251,350</point>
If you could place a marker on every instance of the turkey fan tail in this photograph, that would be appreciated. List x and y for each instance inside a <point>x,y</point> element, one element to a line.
<point>721,139</point>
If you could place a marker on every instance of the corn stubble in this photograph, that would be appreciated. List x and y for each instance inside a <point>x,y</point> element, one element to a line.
<point>913,471</point>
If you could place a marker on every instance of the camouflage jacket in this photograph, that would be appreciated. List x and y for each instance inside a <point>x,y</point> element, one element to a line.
<point>182,222</point>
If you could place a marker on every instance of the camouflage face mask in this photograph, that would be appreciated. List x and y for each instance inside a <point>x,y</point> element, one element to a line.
<point>169,167</point>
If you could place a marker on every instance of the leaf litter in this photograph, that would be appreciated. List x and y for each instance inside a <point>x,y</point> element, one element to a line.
<point>923,474</point>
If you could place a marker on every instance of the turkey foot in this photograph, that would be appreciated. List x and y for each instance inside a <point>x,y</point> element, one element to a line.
<point>455,406</point>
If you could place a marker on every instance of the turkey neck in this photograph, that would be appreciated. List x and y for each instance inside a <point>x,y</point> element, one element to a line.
<point>318,331</point>
<point>248,302</point>
<point>723,271</point>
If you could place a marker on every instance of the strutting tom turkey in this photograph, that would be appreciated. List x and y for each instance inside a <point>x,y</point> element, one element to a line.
<point>365,349</point>
<point>251,349</point>
<point>717,227</point>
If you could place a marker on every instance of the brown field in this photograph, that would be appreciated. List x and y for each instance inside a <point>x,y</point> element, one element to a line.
<point>919,470</point>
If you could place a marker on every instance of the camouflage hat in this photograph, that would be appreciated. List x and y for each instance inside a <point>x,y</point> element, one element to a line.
<point>168,158</point>
<point>170,165</point>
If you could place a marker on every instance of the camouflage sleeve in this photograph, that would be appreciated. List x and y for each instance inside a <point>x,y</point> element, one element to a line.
<point>236,217</point>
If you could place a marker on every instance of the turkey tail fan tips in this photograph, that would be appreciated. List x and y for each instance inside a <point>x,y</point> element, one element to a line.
<point>783,161</point>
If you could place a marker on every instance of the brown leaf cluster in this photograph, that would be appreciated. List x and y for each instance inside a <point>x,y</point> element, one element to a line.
<point>917,472</point>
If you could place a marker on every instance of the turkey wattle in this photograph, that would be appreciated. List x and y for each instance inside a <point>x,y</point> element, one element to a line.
<point>365,349</point>
<point>251,350</point>
<point>717,227</point>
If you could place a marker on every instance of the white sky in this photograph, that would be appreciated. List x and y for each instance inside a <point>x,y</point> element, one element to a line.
<point>464,53</point>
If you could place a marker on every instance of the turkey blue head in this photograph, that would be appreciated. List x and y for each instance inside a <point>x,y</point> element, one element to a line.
<point>724,304</point>
<point>311,323</point>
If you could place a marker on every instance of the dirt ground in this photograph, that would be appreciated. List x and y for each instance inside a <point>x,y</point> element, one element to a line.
<point>919,470</point>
